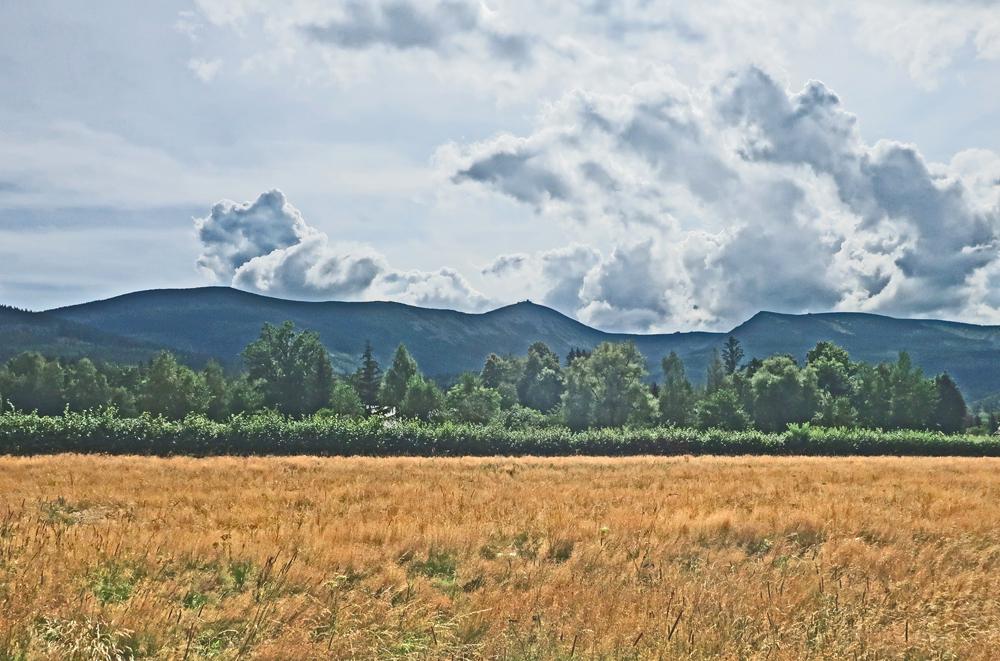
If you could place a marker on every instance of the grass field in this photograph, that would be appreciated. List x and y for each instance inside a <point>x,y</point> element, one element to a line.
<point>284,558</point>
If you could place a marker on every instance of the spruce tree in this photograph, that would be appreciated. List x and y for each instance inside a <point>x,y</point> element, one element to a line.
<point>676,394</point>
<point>950,410</point>
<point>715,376</point>
<point>368,379</point>
<point>732,355</point>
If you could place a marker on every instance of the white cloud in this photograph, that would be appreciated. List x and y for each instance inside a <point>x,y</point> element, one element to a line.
<point>745,197</point>
<point>205,70</point>
<point>266,246</point>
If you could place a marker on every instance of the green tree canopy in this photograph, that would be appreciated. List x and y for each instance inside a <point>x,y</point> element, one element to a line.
<point>782,393</point>
<point>423,398</point>
<point>676,394</point>
<point>470,401</point>
<point>171,389</point>
<point>606,389</point>
<point>721,409</point>
<point>292,370</point>
<point>715,374</point>
<point>367,380</point>
<point>403,368</point>
<point>950,410</point>
<point>732,354</point>
<point>833,368</point>
<point>344,400</point>
<point>542,382</point>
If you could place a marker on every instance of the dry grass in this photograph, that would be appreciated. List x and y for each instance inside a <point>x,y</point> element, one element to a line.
<point>779,558</point>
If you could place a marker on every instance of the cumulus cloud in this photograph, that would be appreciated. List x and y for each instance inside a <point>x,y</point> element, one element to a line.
<point>266,246</point>
<point>744,196</point>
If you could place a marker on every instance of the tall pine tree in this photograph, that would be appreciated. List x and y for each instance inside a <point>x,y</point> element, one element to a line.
<point>368,379</point>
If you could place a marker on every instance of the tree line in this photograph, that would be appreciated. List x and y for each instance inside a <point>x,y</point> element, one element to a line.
<point>290,372</point>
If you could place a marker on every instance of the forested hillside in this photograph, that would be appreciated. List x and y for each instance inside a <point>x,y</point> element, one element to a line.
<point>218,322</point>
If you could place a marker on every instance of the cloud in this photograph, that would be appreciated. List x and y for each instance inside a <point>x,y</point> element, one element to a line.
<point>505,264</point>
<point>744,196</point>
<point>234,233</point>
<point>205,70</point>
<point>410,24</point>
<point>266,246</point>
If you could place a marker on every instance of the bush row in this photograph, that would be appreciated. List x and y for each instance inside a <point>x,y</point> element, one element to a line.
<point>273,434</point>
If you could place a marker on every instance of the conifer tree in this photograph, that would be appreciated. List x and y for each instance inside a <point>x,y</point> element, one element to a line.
<point>368,379</point>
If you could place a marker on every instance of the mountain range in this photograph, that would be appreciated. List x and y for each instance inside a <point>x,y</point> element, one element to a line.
<point>217,322</point>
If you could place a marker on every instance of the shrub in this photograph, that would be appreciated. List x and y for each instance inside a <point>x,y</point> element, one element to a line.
<point>271,433</point>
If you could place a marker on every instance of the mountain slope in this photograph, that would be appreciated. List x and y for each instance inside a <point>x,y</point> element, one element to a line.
<point>51,335</point>
<point>219,322</point>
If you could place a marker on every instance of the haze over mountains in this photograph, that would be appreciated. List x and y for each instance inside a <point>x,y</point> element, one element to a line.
<point>217,322</point>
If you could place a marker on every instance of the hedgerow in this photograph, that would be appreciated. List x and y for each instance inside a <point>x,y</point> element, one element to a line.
<point>273,434</point>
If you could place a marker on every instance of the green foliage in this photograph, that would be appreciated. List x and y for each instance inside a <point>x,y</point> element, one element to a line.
<point>542,382</point>
<point>833,368</point>
<point>423,398</point>
<point>950,410</point>
<point>393,388</point>
<point>114,583</point>
<point>171,389</point>
<point>275,434</point>
<point>344,400</point>
<point>721,409</point>
<point>218,391</point>
<point>732,355</point>
<point>715,375</point>
<point>607,389</point>
<point>368,379</point>
<point>782,393</point>
<point>676,394</point>
<point>292,370</point>
<point>604,388</point>
<point>470,401</point>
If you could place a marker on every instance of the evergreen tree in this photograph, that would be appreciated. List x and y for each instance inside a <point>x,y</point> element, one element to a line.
<point>393,388</point>
<point>950,410</point>
<point>676,394</point>
<point>574,353</point>
<point>732,355</point>
<point>368,379</point>
<point>715,375</point>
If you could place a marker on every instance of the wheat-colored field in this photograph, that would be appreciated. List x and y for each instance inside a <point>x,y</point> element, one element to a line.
<point>767,558</point>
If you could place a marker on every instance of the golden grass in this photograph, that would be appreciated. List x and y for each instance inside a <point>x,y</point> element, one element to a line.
<point>285,558</point>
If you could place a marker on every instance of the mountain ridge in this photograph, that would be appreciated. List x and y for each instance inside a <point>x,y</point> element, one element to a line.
<point>217,322</point>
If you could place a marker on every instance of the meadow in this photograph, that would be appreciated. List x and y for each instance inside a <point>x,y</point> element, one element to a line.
<point>499,558</point>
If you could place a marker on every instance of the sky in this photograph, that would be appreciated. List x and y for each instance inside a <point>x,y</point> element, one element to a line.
<point>641,166</point>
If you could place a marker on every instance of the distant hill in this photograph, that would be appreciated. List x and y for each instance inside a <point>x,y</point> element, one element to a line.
<point>219,322</point>
<point>53,336</point>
